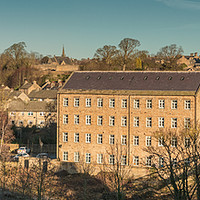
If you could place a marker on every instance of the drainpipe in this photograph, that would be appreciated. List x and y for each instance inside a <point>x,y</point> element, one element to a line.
<point>195,111</point>
<point>195,114</point>
<point>129,121</point>
<point>58,125</point>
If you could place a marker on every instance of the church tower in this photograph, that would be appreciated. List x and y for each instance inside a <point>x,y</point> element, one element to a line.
<point>63,52</point>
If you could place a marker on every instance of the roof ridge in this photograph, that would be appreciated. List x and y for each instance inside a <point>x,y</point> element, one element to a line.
<point>187,72</point>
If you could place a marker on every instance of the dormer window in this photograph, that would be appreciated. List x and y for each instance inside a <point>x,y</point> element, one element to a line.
<point>146,77</point>
<point>170,78</point>
<point>182,78</point>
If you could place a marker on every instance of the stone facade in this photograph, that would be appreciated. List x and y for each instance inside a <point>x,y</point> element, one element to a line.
<point>192,61</point>
<point>67,68</point>
<point>27,88</point>
<point>131,116</point>
<point>32,118</point>
<point>32,105</point>
<point>32,113</point>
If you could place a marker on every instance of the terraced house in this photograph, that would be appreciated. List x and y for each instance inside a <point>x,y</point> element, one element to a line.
<point>99,110</point>
<point>31,113</point>
<point>32,105</point>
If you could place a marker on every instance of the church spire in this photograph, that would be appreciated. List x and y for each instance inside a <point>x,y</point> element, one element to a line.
<point>63,52</point>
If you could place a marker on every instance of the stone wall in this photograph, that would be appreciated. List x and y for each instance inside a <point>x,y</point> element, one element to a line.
<point>58,68</point>
<point>67,68</point>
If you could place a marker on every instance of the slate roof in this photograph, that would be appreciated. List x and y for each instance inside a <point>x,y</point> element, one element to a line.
<point>26,86</point>
<point>4,94</point>
<point>31,106</point>
<point>43,94</point>
<point>152,81</point>
<point>15,94</point>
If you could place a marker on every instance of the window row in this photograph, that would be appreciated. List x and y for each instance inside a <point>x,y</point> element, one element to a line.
<point>173,141</point>
<point>88,102</point>
<point>88,139</point>
<point>136,103</point>
<point>123,161</point>
<point>136,121</point>
<point>88,120</point>
<point>29,114</point>
<point>136,141</point>
<point>99,158</point>
<point>29,123</point>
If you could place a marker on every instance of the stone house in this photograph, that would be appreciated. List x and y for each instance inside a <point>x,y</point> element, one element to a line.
<point>32,113</point>
<point>192,61</point>
<point>32,105</point>
<point>43,95</point>
<point>27,87</point>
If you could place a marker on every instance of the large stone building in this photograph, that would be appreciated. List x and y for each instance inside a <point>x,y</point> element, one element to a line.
<point>97,110</point>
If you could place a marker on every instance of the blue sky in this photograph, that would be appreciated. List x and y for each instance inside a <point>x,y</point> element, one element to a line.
<point>83,26</point>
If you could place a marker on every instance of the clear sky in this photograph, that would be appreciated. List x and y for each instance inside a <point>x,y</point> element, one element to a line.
<point>83,26</point>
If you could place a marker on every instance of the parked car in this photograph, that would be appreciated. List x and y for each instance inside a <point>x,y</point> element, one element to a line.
<point>23,150</point>
<point>20,155</point>
<point>43,155</point>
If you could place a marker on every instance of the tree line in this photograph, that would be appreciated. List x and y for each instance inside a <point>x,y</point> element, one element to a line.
<point>16,64</point>
<point>128,57</point>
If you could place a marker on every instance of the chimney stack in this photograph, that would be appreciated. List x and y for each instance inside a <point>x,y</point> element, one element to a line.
<point>60,83</point>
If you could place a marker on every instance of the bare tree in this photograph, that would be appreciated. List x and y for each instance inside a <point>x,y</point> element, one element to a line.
<point>6,134</point>
<point>106,54</point>
<point>87,169</point>
<point>176,162</point>
<point>50,115</point>
<point>16,65</point>
<point>127,47</point>
<point>6,137</point>
<point>169,55</point>
<point>42,173</point>
<point>115,172</point>
<point>22,180</point>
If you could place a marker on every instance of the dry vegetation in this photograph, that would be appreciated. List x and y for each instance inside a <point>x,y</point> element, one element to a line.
<point>18,182</point>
